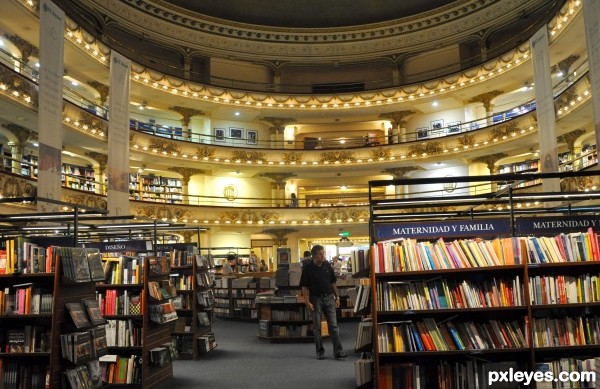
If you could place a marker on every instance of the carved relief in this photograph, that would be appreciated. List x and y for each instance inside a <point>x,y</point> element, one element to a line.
<point>205,152</point>
<point>86,200</point>
<point>337,156</point>
<point>252,156</point>
<point>163,146</point>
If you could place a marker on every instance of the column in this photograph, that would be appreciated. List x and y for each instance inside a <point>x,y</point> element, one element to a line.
<point>278,191</point>
<point>278,125</point>
<point>102,160</point>
<point>545,109</point>
<point>486,100</point>
<point>186,174</point>
<point>569,138</point>
<point>17,144</point>
<point>50,104</point>
<point>398,173</point>
<point>398,120</point>
<point>490,162</point>
<point>187,114</point>
<point>591,17</point>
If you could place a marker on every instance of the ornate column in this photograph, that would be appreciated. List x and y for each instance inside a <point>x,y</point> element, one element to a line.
<point>279,182</point>
<point>102,160</point>
<point>186,114</point>
<point>400,172</point>
<point>278,125</point>
<point>564,65</point>
<point>569,138</point>
<point>27,49</point>
<point>398,119</point>
<point>490,162</point>
<point>102,89</point>
<point>486,100</point>
<point>186,174</point>
<point>17,146</point>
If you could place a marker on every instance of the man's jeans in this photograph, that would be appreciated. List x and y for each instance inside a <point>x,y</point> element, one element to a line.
<point>325,305</point>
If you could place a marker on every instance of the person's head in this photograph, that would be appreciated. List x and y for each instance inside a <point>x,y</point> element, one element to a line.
<point>231,258</point>
<point>262,262</point>
<point>318,254</point>
<point>293,195</point>
<point>306,254</point>
<point>335,259</point>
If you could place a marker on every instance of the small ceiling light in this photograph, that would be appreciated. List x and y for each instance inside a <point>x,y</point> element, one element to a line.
<point>237,114</point>
<point>343,187</point>
<point>74,83</point>
<point>435,104</point>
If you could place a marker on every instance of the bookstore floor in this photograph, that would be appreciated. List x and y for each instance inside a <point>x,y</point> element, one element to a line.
<point>241,360</point>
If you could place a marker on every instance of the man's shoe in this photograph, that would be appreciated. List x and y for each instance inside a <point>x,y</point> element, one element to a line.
<point>320,356</point>
<point>340,355</point>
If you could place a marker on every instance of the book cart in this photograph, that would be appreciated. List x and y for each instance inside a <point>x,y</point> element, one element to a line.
<point>500,280</point>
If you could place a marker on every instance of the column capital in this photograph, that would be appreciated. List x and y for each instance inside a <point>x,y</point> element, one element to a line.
<point>397,117</point>
<point>102,89</point>
<point>400,172</point>
<point>490,160</point>
<point>21,133</point>
<point>486,99</point>
<point>101,158</point>
<point>186,113</point>
<point>279,178</point>
<point>278,123</point>
<point>186,173</point>
<point>570,137</point>
<point>25,47</point>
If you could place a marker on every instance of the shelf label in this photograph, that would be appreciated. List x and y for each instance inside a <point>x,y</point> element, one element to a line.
<point>557,225</point>
<point>436,229</point>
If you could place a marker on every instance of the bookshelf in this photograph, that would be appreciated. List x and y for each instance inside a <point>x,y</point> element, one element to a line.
<point>155,188</point>
<point>27,311</point>
<point>456,297</point>
<point>130,299</point>
<point>193,276</point>
<point>284,321</point>
<point>78,177</point>
<point>235,294</point>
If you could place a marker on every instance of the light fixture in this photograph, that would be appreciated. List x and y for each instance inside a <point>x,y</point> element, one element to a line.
<point>237,114</point>
<point>143,105</point>
<point>130,225</point>
<point>435,103</point>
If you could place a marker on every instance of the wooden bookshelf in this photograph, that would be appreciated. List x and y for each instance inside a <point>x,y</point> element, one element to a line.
<point>457,298</point>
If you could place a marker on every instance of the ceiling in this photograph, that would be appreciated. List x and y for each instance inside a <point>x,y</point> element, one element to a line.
<point>308,13</point>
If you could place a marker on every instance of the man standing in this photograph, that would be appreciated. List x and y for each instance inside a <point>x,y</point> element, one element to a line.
<point>321,297</point>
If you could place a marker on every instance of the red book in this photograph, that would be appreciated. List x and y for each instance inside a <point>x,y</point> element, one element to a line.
<point>425,337</point>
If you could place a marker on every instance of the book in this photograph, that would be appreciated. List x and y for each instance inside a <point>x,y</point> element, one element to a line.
<point>93,311</point>
<point>80,264</point>
<point>95,264</point>
<point>15,341</point>
<point>78,315</point>
<point>203,319</point>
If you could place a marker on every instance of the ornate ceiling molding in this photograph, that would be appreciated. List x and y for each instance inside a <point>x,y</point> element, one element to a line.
<point>449,25</point>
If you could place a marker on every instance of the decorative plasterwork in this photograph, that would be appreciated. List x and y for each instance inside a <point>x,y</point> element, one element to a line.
<point>100,158</point>
<point>164,212</point>
<point>11,186</point>
<point>292,158</point>
<point>570,138</point>
<point>102,89</point>
<point>381,154</point>
<point>165,147</point>
<point>425,149</point>
<point>205,152</point>
<point>400,172</point>
<point>186,173</point>
<point>490,160</point>
<point>17,87</point>
<point>209,35</point>
<point>397,118</point>
<point>25,47</point>
<point>186,113</point>
<point>159,81</point>
<point>338,215</point>
<point>336,157</point>
<point>248,156</point>
<point>86,200</point>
